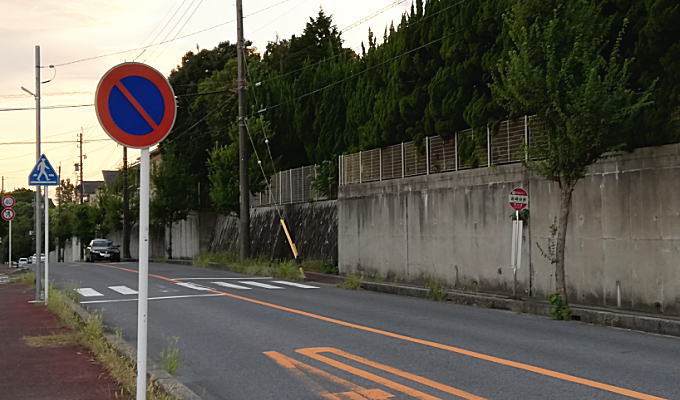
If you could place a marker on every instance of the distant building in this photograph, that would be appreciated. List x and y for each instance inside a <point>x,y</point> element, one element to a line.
<point>89,190</point>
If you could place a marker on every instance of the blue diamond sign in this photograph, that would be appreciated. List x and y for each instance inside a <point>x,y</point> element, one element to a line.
<point>43,174</point>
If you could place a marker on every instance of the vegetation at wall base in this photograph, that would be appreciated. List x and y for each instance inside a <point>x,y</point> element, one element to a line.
<point>261,266</point>
<point>559,309</point>
<point>435,289</point>
<point>352,282</point>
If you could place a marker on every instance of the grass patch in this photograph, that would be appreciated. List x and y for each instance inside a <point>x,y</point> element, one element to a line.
<point>26,278</point>
<point>435,289</point>
<point>351,282</point>
<point>90,334</point>
<point>170,355</point>
<point>55,340</point>
<point>323,267</point>
<point>261,266</point>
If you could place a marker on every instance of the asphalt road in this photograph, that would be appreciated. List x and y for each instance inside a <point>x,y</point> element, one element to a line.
<point>240,340</point>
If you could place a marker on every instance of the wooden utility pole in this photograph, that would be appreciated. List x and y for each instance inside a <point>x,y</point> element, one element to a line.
<point>244,219</point>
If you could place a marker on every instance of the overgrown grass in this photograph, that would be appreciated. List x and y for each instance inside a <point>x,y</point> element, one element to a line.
<point>90,333</point>
<point>351,282</point>
<point>170,355</point>
<point>254,266</point>
<point>54,340</point>
<point>436,290</point>
<point>26,278</point>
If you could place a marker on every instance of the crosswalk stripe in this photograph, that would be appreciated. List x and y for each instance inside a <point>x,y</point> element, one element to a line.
<point>260,284</point>
<point>193,286</point>
<point>231,285</point>
<point>88,292</point>
<point>296,285</point>
<point>123,289</point>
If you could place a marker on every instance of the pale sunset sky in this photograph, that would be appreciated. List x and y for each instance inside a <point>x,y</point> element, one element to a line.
<point>73,30</point>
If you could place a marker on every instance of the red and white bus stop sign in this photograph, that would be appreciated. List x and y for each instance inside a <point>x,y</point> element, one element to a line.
<point>519,199</point>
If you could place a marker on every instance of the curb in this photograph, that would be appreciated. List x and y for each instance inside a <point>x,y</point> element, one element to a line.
<point>651,323</point>
<point>162,378</point>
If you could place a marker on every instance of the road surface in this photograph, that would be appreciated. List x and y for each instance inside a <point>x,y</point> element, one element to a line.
<point>245,338</point>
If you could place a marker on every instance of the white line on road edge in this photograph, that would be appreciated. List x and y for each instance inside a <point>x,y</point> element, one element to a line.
<point>231,285</point>
<point>123,289</point>
<point>152,298</point>
<point>88,292</point>
<point>260,284</point>
<point>296,285</point>
<point>220,278</point>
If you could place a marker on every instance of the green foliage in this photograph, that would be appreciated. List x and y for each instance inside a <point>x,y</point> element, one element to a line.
<point>258,266</point>
<point>436,290</point>
<point>352,282</point>
<point>326,180</point>
<point>170,355</point>
<point>223,167</point>
<point>559,308</point>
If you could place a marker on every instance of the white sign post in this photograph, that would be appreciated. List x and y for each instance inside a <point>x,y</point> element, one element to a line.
<point>112,117</point>
<point>519,199</point>
<point>47,245</point>
<point>8,202</point>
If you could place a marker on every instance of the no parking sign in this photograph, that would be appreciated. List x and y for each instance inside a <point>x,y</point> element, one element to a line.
<point>135,105</point>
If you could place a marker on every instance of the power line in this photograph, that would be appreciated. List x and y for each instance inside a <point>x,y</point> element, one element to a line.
<point>115,53</point>
<point>169,32</point>
<point>53,141</point>
<point>163,28</point>
<point>47,107</point>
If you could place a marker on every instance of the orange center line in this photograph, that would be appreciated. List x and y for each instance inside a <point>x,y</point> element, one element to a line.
<point>137,106</point>
<point>481,356</point>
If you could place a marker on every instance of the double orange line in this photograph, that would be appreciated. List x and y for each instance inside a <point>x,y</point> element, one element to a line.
<point>481,356</point>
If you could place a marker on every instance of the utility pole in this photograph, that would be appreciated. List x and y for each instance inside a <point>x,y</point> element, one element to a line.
<point>82,184</point>
<point>3,184</point>
<point>244,220</point>
<point>126,207</point>
<point>36,205</point>
<point>59,199</point>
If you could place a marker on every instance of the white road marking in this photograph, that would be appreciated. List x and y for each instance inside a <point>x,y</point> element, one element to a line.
<point>88,292</point>
<point>231,285</point>
<point>151,298</point>
<point>260,284</point>
<point>221,278</point>
<point>123,289</point>
<point>193,286</point>
<point>296,285</point>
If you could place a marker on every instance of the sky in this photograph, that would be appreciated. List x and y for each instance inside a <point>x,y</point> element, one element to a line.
<point>84,30</point>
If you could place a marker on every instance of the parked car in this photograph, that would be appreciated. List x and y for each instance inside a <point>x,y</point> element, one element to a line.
<point>102,249</point>
<point>31,260</point>
<point>23,261</point>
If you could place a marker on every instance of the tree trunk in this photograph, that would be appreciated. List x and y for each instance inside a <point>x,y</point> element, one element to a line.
<point>170,241</point>
<point>566,189</point>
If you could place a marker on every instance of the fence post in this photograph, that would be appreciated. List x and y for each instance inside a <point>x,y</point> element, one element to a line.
<point>526,138</point>
<point>290,184</point>
<point>340,172</point>
<point>361,168</point>
<point>403,165</point>
<point>427,154</point>
<point>281,187</point>
<point>380,162</point>
<point>488,147</point>
<point>455,139</point>
<point>507,126</point>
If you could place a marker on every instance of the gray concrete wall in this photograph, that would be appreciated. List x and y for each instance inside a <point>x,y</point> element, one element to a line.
<point>624,227</point>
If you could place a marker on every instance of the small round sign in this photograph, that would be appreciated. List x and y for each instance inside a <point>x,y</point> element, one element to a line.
<point>519,199</point>
<point>8,214</point>
<point>135,105</point>
<point>7,201</point>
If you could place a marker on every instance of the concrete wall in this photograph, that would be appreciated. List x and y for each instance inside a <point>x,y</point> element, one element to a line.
<point>624,227</point>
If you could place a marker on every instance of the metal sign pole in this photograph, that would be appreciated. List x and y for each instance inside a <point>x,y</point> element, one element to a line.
<point>142,304</point>
<point>47,243</point>
<point>10,244</point>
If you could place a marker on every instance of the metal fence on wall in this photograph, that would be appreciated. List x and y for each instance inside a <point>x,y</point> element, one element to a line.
<point>470,148</point>
<point>290,186</point>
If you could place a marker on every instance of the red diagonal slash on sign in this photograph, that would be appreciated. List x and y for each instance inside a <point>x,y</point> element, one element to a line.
<point>136,105</point>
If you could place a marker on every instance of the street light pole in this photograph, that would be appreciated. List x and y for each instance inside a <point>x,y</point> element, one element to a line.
<point>38,227</point>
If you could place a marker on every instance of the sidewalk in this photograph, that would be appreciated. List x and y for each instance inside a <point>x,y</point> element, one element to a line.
<point>67,372</point>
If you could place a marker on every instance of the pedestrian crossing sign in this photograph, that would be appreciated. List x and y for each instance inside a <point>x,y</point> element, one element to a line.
<point>43,174</point>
